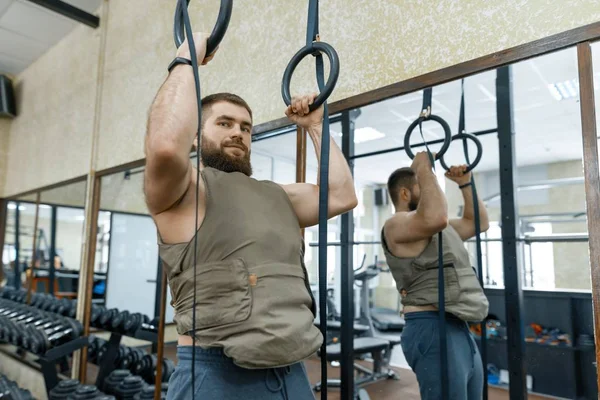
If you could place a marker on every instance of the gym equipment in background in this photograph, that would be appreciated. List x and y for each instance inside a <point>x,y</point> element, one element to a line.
<point>365,342</point>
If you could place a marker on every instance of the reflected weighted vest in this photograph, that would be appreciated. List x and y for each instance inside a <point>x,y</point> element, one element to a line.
<point>419,277</point>
<point>252,293</point>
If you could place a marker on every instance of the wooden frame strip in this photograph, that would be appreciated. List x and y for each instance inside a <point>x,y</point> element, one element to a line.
<point>591,173</point>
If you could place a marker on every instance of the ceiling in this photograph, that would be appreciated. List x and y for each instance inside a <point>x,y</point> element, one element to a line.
<point>546,129</point>
<point>27,31</point>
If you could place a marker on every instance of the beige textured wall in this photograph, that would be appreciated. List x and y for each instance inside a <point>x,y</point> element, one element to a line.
<point>4,136</point>
<point>378,44</point>
<point>120,194</point>
<point>384,43</point>
<point>50,140</point>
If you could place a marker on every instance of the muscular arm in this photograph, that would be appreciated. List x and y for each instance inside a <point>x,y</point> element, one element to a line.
<point>465,226</point>
<point>305,196</point>
<point>430,217</point>
<point>172,126</point>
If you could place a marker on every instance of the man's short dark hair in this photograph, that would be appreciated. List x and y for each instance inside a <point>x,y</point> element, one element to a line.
<point>208,101</point>
<point>400,178</point>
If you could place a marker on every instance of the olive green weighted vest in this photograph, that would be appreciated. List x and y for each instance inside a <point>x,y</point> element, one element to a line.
<point>252,293</point>
<point>419,277</point>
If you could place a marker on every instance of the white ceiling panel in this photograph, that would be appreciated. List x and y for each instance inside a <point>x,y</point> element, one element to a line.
<point>10,64</point>
<point>4,4</point>
<point>36,22</point>
<point>27,31</point>
<point>21,47</point>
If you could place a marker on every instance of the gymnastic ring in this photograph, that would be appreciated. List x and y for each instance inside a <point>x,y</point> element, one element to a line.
<point>439,120</point>
<point>218,31</point>
<point>334,72</point>
<point>479,151</point>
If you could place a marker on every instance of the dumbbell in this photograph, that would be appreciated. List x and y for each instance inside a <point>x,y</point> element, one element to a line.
<point>134,356</point>
<point>146,368</point>
<point>94,347</point>
<point>112,381</point>
<point>86,392</point>
<point>105,320</point>
<point>117,324</point>
<point>42,341</point>
<point>10,390</point>
<point>134,322</point>
<point>148,393</point>
<point>63,390</point>
<point>129,387</point>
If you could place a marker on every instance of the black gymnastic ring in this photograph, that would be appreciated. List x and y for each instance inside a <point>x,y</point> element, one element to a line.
<point>218,31</point>
<point>479,151</point>
<point>439,120</point>
<point>334,72</point>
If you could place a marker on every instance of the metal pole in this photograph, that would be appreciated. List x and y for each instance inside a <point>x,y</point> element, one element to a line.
<point>52,249</point>
<point>347,273</point>
<point>31,271</point>
<point>512,273</point>
<point>300,159</point>
<point>591,172</point>
<point>17,269</point>
<point>161,332</point>
<point>3,216</point>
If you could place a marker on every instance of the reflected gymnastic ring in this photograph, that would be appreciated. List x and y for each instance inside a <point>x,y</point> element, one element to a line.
<point>439,120</point>
<point>218,31</point>
<point>479,151</point>
<point>334,72</point>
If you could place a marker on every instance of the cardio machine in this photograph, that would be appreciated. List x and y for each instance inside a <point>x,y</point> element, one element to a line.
<point>366,345</point>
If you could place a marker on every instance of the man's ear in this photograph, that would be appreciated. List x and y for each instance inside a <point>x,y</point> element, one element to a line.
<point>404,194</point>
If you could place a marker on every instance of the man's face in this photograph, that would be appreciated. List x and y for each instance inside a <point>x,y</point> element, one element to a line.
<point>415,197</point>
<point>226,138</point>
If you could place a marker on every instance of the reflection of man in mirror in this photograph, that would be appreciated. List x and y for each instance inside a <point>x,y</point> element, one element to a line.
<point>410,243</point>
<point>254,307</point>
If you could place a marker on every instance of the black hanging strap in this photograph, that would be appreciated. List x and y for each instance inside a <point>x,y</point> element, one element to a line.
<point>426,111</point>
<point>312,28</point>
<point>461,129</point>
<point>312,34</point>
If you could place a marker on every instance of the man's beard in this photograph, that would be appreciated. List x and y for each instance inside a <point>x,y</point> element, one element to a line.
<point>214,156</point>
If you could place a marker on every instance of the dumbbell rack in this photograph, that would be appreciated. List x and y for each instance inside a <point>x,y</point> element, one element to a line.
<point>56,355</point>
<point>107,364</point>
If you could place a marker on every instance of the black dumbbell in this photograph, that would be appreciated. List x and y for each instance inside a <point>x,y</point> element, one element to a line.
<point>63,389</point>
<point>134,356</point>
<point>69,329</point>
<point>146,367</point>
<point>86,392</point>
<point>106,318</point>
<point>129,387</point>
<point>121,353</point>
<point>167,369</point>
<point>148,393</point>
<point>118,322</point>
<point>133,323</point>
<point>112,381</point>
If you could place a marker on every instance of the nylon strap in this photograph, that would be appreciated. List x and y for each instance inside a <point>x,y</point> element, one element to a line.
<point>312,32</point>
<point>461,129</point>
<point>427,94</point>
<point>190,37</point>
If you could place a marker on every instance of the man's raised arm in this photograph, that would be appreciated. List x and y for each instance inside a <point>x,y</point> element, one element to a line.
<point>172,128</point>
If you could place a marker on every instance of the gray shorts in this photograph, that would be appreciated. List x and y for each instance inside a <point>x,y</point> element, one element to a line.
<point>217,377</point>
<point>421,347</point>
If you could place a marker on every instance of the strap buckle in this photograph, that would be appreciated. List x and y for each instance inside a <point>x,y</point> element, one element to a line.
<point>316,52</point>
<point>425,113</point>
